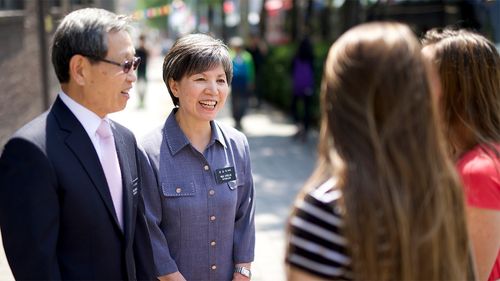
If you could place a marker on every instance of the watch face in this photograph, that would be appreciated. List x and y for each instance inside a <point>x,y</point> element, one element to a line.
<point>244,271</point>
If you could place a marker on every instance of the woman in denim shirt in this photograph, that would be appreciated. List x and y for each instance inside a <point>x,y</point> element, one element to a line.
<point>199,190</point>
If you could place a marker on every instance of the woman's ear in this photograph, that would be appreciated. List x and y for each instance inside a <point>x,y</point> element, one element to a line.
<point>77,65</point>
<point>174,86</point>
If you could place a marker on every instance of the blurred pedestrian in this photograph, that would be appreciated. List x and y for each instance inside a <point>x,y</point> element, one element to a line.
<point>384,202</point>
<point>303,87</point>
<point>142,51</point>
<point>469,67</point>
<point>200,195</point>
<point>70,191</point>
<point>243,79</point>
<point>258,49</point>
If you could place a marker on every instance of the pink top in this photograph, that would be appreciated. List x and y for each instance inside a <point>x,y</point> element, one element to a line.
<point>479,169</point>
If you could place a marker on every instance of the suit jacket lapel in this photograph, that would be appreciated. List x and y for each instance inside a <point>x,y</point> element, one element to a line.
<point>80,144</point>
<point>129,179</point>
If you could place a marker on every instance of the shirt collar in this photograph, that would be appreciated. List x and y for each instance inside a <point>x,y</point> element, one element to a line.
<point>217,134</point>
<point>89,120</point>
<point>177,140</point>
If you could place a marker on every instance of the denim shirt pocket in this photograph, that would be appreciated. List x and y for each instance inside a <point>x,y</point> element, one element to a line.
<point>236,183</point>
<point>178,189</point>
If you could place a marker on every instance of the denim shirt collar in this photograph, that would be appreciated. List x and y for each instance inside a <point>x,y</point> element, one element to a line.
<point>177,140</point>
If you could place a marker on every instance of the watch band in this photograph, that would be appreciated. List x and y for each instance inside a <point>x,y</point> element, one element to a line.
<point>243,271</point>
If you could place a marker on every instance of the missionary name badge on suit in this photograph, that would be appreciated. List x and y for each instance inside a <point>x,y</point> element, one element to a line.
<point>135,183</point>
<point>225,175</point>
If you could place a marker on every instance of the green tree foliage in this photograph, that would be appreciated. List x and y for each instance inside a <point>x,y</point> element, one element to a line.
<point>277,75</point>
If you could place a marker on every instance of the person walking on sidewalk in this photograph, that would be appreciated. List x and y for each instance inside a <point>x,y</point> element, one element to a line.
<point>258,49</point>
<point>200,194</point>
<point>384,202</point>
<point>303,87</point>
<point>142,80</point>
<point>469,67</point>
<point>70,192</point>
<point>243,79</point>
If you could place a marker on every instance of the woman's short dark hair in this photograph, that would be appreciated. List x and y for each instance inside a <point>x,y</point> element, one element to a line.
<point>83,32</point>
<point>195,53</point>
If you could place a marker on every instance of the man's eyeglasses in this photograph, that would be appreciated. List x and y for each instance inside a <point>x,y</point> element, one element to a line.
<point>126,65</point>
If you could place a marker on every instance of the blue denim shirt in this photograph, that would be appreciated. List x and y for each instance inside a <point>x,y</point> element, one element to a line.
<point>200,226</point>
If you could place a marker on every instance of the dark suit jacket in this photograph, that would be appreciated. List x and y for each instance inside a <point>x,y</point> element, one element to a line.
<point>56,213</point>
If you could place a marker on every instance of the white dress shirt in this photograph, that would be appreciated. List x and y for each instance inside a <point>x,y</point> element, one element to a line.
<point>89,120</point>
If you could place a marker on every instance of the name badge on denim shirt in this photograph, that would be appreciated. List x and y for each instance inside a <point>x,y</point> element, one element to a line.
<point>224,175</point>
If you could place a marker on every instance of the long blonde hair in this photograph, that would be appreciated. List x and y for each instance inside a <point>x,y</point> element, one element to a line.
<point>404,211</point>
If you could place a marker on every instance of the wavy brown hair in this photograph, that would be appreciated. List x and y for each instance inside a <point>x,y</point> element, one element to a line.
<point>404,211</point>
<point>469,68</point>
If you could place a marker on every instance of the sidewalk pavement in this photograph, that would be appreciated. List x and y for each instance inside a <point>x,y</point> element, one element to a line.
<point>280,166</point>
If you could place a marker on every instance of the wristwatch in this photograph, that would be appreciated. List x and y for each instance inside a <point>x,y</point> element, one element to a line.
<point>243,271</point>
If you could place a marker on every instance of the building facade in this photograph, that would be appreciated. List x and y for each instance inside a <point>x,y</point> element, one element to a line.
<point>29,84</point>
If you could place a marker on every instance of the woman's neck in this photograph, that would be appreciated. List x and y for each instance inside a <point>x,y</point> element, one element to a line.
<point>463,140</point>
<point>198,133</point>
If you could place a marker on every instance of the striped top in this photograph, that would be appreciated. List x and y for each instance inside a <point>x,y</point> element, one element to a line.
<point>316,243</point>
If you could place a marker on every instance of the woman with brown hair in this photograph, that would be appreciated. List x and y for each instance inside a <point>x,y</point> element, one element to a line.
<point>469,68</point>
<point>384,202</point>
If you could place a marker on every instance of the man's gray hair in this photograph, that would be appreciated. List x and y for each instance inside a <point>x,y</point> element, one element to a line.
<point>83,32</point>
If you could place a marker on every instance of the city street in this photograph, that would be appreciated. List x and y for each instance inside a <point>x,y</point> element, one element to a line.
<point>280,166</point>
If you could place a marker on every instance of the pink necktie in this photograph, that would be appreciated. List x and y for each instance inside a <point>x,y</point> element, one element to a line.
<point>109,162</point>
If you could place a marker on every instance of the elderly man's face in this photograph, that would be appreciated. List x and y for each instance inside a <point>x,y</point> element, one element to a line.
<point>107,89</point>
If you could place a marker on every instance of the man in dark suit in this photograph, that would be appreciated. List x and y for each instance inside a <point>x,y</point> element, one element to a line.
<point>70,199</point>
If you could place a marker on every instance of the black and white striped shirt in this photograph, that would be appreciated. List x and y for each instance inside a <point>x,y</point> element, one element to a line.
<point>316,242</point>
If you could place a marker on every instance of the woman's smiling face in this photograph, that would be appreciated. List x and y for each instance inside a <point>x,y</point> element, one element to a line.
<point>201,95</point>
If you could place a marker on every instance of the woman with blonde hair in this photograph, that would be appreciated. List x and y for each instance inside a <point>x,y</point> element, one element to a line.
<point>384,202</point>
<point>469,68</point>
